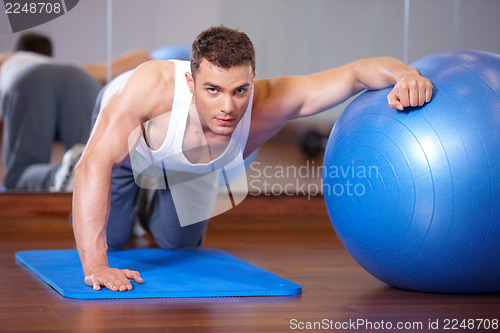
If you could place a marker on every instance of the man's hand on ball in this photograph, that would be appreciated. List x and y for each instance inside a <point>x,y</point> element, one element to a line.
<point>411,90</point>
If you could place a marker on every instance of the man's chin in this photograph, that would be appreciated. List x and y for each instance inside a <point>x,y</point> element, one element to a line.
<point>222,130</point>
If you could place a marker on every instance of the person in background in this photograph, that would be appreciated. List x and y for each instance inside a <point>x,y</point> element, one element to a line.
<point>42,101</point>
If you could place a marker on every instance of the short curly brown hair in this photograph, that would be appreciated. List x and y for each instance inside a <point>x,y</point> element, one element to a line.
<point>222,46</point>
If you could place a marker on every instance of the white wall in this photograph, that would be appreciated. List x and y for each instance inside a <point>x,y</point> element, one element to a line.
<point>290,36</point>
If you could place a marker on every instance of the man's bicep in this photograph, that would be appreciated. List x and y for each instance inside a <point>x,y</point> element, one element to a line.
<point>116,131</point>
<point>285,97</point>
<point>302,96</point>
<point>118,128</point>
<point>310,94</point>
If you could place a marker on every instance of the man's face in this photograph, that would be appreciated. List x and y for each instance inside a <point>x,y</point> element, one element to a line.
<point>221,96</point>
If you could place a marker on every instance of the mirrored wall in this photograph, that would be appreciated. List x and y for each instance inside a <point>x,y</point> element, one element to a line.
<point>291,37</point>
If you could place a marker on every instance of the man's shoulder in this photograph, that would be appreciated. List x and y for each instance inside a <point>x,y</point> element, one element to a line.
<point>149,87</point>
<point>263,100</point>
<point>156,69</point>
<point>156,78</point>
<point>260,93</point>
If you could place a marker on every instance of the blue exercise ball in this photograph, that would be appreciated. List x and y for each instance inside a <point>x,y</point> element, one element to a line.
<point>414,196</point>
<point>171,52</point>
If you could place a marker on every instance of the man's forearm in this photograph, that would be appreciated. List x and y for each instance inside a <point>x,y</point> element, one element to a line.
<point>382,72</point>
<point>90,209</point>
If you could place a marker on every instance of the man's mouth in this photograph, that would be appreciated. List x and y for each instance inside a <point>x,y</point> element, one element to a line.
<point>225,121</point>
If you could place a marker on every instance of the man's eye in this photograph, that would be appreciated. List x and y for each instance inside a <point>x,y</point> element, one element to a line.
<point>240,91</point>
<point>212,90</point>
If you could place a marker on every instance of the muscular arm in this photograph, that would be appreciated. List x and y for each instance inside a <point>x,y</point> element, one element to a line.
<point>306,95</point>
<point>281,99</point>
<point>142,98</point>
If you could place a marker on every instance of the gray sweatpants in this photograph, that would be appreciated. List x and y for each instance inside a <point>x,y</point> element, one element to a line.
<point>155,209</point>
<point>45,103</point>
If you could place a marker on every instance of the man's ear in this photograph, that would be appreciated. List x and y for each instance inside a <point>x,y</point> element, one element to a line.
<point>190,82</point>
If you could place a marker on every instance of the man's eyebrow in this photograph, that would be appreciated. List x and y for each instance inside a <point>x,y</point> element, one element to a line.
<point>213,85</point>
<point>244,85</point>
<point>216,86</point>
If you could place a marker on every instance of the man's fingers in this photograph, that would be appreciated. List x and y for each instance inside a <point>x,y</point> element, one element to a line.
<point>133,275</point>
<point>393,100</point>
<point>422,92</point>
<point>93,282</point>
<point>403,95</point>
<point>113,283</point>
<point>113,279</point>
<point>96,284</point>
<point>414,99</point>
<point>412,93</point>
<point>120,281</point>
<point>428,92</point>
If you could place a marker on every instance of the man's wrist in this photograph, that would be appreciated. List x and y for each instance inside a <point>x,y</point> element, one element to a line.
<point>92,262</point>
<point>407,71</point>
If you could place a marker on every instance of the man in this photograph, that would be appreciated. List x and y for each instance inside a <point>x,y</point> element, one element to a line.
<point>43,101</point>
<point>188,118</point>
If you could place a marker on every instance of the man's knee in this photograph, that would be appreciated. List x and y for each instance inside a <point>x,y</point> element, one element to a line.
<point>115,241</point>
<point>185,238</point>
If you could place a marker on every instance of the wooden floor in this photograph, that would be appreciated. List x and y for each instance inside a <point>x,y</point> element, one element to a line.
<point>289,236</point>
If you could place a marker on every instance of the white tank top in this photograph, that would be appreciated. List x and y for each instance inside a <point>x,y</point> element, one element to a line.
<point>170,155</point>
<point>170,152</point>
<point>199,190</point>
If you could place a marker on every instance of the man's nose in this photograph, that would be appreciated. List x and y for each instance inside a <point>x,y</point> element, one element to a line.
<point>227,104</point>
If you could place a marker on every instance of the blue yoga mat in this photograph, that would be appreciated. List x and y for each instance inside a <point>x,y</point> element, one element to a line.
<point>166,273</point>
